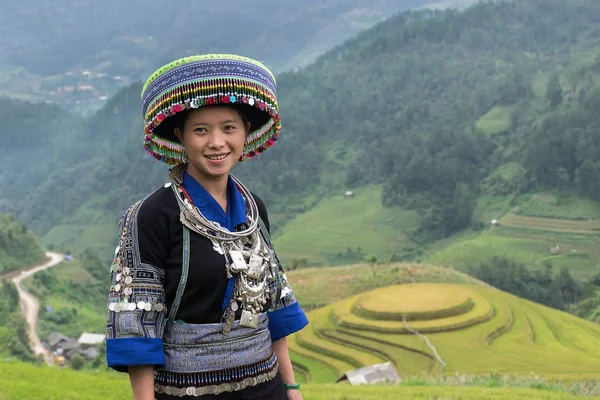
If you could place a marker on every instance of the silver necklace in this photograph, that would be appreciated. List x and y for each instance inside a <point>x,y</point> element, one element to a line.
<point>248,258</point>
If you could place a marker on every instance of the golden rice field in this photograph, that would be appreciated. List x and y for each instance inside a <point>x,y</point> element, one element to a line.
<point>26,381</point>
<point>475,330</point>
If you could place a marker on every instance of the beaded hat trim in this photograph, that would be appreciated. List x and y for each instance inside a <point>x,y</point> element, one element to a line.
<point>213,79</point>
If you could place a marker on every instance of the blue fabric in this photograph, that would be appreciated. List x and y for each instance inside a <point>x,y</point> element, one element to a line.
<point>286,320</point>
<point>212,210</point>
<point>122,353</point>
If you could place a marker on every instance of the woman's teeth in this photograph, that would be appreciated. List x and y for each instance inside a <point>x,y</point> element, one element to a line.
<point>219,157</point>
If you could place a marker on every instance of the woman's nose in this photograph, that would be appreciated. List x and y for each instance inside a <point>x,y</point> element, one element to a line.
<point>216,139</point>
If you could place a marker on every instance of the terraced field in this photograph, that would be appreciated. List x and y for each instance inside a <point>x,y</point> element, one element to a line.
<point>527,239</point>
<point>474,329</point>
<point>590,226</point>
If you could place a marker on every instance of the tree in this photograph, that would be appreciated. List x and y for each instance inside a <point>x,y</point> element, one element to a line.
<point>554,91</point>
<point>77,362</point>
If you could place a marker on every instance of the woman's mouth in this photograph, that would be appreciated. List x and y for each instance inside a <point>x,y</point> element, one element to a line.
<point>216,157</point>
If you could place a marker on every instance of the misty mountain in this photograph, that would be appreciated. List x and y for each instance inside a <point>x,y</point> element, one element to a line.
<point>398,105</point>
<point>78,52</point>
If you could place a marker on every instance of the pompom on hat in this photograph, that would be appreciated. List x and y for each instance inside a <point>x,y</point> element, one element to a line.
<point>213,79</point>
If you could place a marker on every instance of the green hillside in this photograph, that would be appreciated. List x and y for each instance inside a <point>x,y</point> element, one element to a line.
<point>437,109</point>
<point>76,292</point>
<point>14,342</point>
<point>527,232</point>
<point>342,230</point>
<point>96,386</point>
<point>474,329</point>
<point>19,247</point>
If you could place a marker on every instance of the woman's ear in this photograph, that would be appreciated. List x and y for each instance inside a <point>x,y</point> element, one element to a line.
<point>178,134</point>
<point>247,125</point>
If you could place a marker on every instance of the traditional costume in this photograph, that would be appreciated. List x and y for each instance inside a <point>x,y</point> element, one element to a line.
<point>197,292</point>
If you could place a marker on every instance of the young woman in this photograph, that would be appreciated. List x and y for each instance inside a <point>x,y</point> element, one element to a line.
<point>199,305</point>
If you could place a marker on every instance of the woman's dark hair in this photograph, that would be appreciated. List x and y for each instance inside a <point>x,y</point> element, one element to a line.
<point>255,117</point>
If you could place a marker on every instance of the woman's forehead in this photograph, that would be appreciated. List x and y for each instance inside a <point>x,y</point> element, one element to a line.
<point>214,114</point>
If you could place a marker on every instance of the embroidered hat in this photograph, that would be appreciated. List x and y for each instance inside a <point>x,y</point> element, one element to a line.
<point>205,80</point>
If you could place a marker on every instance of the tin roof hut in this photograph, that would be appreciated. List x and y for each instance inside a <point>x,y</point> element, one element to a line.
<point>379,373</point>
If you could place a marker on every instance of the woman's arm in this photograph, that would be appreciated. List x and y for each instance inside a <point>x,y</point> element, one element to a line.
<point>285,367</point>
<point>142,382</point>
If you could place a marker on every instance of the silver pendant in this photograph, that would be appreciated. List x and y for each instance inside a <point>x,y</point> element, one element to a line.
<point>249,320</point>
<point>238,262</point>
<point>256,266</point>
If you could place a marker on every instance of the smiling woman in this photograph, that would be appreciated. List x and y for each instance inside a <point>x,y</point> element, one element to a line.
<point>199,304</point>
<point>213,138</point>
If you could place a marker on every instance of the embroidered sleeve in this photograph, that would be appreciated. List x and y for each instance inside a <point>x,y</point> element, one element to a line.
<point>136,301</point>
<point>285,314</point>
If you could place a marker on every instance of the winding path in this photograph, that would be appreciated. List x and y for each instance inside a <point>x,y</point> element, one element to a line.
<point>31,306</point>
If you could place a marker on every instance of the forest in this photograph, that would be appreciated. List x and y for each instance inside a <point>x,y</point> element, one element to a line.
<point>397,105</point>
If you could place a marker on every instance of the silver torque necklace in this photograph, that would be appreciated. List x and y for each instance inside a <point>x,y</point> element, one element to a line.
<point>248,258</point>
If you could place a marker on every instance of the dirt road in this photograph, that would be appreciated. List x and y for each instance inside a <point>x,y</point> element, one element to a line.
<point>30,305</point>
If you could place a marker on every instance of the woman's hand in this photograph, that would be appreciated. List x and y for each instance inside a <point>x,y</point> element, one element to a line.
<point>294,395</point>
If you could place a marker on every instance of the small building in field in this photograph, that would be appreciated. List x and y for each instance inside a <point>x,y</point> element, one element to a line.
<point>379,373</point>
<point>91,339</point>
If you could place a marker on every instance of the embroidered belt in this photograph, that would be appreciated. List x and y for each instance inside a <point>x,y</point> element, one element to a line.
<point>201,360</point>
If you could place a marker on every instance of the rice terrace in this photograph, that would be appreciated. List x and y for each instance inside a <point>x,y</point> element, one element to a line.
<point>474,329</point>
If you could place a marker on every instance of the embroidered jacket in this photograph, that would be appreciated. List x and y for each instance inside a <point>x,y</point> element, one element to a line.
<point>147,271</point>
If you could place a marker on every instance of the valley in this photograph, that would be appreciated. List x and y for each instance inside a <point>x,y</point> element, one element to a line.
<point>433,197</point>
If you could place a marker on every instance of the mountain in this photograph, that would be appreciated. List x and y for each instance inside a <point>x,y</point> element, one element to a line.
<point>77,53</point>
<point>439,121</point>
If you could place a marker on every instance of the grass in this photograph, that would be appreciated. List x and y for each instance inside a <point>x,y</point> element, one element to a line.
<point>74,295</point>
<point>551,224</point>
<point>554,206</point>
<point>528,245</point>
<point>318,287</point>
<point>76,238</point>
<point>49,384</point>
<point>519,338</point>
<point>528,228</point>
<point>324,234</point>
<point>496,120</point>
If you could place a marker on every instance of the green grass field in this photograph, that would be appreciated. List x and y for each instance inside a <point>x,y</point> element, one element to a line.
<point>76,238</point>
<point>528,229</point>
<point>74,294</point>
<point>319,287</point>
<point>24,381</point>
<point>554,206</point>
<point>323,234</point>
<point>496,120</point>
<point>505,335</point>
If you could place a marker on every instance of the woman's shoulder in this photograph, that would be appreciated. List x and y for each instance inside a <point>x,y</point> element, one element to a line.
<point>160,203</point>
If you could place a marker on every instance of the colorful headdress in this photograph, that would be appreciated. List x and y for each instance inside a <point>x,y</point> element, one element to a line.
<point>212,79</point>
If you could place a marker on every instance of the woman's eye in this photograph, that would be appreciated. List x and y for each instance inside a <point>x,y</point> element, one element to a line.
<point>229,127</point>
<point>200,130</point>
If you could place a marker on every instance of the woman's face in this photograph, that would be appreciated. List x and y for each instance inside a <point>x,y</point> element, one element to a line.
<point>214,139</point>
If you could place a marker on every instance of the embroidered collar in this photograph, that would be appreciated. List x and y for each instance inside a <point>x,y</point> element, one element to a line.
<point>211,209</point>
